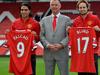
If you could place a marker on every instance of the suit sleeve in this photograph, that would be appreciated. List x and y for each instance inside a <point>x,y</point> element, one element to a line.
<point>42,34</point>
<point>69,22</point>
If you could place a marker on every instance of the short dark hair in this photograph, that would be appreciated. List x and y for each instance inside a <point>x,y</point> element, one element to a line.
<point>29,7</point>
<point>59,0</point>
<point>83,1</point>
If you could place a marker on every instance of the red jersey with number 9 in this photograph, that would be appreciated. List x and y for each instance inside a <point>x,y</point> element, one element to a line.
<point>82,42</point>
<point>20,44</point>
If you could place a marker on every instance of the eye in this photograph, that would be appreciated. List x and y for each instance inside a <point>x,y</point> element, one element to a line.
<point>80,7</point>
<point>84,7</point>
<point>24,9</point>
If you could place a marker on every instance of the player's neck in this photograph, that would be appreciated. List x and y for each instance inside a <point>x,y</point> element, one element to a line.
<point>84,16</point>
<point>25,18</point>
<point>55,13</point>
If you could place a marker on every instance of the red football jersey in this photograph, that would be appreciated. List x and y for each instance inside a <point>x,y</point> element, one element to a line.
<point>20,44</point>
<point>82,41</point>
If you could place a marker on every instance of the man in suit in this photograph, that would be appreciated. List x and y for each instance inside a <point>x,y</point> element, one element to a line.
<point>54,38</point>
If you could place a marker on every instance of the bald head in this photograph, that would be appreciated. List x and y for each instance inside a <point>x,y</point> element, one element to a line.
<point>54,0</point>
<point>55,6</point>
<point>51,1</point>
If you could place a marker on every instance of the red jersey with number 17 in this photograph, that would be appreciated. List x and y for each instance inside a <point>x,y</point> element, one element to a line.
<point>82,40</point>
<point>20,44</point>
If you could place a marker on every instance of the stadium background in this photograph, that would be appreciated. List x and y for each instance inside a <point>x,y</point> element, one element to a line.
<point>40,8</point>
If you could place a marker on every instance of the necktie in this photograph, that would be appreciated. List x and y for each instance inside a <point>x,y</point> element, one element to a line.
<point>54,23</point>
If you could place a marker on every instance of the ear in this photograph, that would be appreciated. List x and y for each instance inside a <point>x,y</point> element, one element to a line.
<point>60,5</point>
<point>88,6</point>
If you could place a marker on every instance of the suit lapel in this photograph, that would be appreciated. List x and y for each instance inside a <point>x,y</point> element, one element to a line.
<point>50,22</point>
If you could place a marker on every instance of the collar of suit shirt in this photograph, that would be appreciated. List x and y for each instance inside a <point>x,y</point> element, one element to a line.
<point>56,15</point>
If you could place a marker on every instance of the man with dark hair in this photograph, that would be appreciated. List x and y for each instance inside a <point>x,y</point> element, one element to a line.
<point>27,22</point>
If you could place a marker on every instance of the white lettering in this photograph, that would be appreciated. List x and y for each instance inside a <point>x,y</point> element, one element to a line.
<point>20,36</point>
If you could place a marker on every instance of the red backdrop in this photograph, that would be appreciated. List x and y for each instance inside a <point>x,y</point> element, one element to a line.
<point>10,11</point>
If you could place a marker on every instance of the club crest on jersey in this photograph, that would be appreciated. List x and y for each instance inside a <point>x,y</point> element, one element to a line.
<point>29,26</point>
<point>89,23</point>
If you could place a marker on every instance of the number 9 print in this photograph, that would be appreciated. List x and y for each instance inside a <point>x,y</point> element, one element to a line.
<point>20,48</point>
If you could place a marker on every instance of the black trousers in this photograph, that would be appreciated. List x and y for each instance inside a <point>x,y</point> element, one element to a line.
<point>33,62</point>
<point>96,66</point>
<point>96,63</point>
